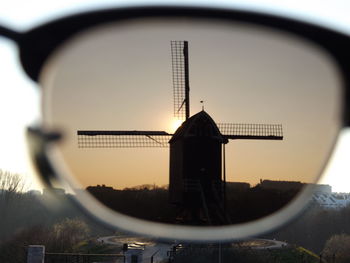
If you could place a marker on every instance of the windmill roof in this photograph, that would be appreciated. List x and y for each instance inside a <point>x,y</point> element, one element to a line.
<point>198,125</point>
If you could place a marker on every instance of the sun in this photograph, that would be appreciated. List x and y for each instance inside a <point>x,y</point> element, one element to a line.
<point>175,123</point>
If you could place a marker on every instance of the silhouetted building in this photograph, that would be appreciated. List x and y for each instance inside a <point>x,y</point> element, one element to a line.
<point>332,200</point>
<point>100,188</point>
<point>281,185</point>
<point>294,185</point>
<point>237,186</point>
<point>195,162</point>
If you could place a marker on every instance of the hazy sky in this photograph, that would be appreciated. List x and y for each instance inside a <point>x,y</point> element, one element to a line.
<point>119,78</point>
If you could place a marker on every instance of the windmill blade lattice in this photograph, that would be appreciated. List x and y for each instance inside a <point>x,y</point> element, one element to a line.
<point>251,131</point>
<point>123,139</point>
<point>179,55</point>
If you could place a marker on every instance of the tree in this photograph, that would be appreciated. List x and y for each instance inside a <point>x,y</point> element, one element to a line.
<point>63,236</point>
<point>11,193</point>
<point>10,184</point>
<point>67,234</point>
<point>337,249</point>
<point>13,250</point>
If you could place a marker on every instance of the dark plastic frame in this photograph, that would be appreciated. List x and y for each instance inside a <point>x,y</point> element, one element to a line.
<point>37,44</point>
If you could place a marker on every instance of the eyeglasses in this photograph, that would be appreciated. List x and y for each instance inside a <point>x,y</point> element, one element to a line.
<point>186,123</point>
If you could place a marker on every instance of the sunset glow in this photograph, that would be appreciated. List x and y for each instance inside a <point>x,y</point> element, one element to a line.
<point>260,83</point>
<point>175,124</point>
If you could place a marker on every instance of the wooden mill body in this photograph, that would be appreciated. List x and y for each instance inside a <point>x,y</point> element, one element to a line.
<point>195,162</point>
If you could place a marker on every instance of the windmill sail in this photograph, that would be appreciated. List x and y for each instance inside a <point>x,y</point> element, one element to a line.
<point>197,167</point>
<point>180,68</point>
<point>251,131</point>
<point>123,139</point>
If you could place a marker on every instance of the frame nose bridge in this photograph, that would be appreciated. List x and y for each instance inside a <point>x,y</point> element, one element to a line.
<point>9,33</point>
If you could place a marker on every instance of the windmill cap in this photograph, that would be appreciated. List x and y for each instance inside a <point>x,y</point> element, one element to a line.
<point>198,125</point>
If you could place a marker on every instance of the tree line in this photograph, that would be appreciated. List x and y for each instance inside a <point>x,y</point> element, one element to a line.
<point>27,219</point>
<point>318,229</point>
<point>152,203</point>
<point>25,216</point>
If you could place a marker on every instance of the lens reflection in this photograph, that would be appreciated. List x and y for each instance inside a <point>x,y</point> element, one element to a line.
<point>258,120</point>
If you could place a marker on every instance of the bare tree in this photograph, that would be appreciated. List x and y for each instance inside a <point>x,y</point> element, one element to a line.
<point>11,190</point>
<point>11,182</point>
<point>68,233</point>
<point>64,236</point>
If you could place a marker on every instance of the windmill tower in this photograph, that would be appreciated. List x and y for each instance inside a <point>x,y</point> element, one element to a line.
<point>197,174</point>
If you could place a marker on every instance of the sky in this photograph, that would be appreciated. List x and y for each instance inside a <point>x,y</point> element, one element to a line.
<point>21,101</point>
<point>244,74</point>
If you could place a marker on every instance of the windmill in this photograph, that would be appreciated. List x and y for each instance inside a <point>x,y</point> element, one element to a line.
<point>197,175</point>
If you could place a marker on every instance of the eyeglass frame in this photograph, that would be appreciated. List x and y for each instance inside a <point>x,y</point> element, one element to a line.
<point>36,45</point>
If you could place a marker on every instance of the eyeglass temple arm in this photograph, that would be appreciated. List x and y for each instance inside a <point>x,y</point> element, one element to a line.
<point>9,33</point>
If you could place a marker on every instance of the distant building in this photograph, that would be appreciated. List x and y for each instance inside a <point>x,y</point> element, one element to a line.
<point>323,193</point>
<point>332,200</point>
<point>239,186</point>
<point>294,185</point>
<point>281,185</point>
<point>98,188</point>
